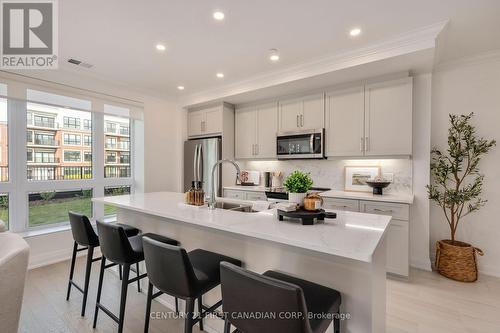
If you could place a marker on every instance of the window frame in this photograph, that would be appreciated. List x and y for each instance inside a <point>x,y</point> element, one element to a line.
<point>18,186</point>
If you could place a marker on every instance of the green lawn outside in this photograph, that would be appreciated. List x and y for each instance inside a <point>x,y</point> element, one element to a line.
<point>57,211</point>
<point>4,216</point>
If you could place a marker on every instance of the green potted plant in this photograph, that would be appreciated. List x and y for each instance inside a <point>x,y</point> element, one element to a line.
<point>297,184</point>
<point>456,188</point>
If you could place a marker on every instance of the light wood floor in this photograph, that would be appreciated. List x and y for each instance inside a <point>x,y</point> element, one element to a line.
<point>428,303</point>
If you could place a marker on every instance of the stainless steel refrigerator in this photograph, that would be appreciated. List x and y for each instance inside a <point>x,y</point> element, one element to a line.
<point>199,157</point>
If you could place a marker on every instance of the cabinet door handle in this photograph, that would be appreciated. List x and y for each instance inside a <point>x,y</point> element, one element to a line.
<point>298,124</point>
<point>301,120</point>
<point>256,149</point>
<point>383,211</point>
<point>361,144</point>
<point>253,149</point>
<point>367,144</point>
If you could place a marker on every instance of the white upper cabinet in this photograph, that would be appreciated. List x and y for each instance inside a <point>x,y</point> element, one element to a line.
<point>388,118</point>
<point>195,123</point>
<point>345,111</point>
<point>370,120</point>
<point>205,122</point>
<point>302,113</point>
<point>255,131</point>
<point>213,120</point>
<point>245,132</point>
<point>267,127</point>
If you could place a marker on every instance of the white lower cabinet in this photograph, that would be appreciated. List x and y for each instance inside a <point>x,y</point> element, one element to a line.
<point>256,196</point>
<point>341,204</point>
<point>398,234</point>
<point>245,195</point>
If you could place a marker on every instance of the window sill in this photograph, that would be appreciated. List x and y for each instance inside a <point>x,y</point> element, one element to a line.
<point>55,229</point>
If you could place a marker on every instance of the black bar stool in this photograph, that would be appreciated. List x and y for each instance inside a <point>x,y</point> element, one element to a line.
<point>291,305</point>
<point>84,235</point>
<point>120,250</point>
<point>188,276</point>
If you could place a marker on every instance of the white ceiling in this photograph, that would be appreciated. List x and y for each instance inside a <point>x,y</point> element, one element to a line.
<point>119,36</point>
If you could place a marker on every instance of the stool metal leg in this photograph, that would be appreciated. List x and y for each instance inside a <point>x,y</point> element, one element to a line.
<point>137,273</point>
<point>126,273</point>
<point>227,326</point>
<point>148,308</point>
<point>188,322</point>
<point>72,269</point>
<point>336,325</point>
<point>90,255</point>
<point>200,311</point>
<point>99,290</point>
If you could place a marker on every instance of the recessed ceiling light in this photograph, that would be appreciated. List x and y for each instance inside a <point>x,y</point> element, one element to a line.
<point>355,32</point>
<point>160,47</point>
<point>220,75</point>
<point>180,87</point>
<point>219,16</point>
<point>274,55</point>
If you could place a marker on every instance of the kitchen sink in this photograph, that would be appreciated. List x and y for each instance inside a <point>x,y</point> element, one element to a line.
<point>234,207</point>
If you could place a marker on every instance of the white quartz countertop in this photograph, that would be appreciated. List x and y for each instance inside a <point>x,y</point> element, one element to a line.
<point>351,235</point>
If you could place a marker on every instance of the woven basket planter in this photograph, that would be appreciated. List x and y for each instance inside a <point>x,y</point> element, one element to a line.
<point>457,261</point>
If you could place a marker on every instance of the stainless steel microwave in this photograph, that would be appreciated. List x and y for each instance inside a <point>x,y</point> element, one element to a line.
<point>301,145</point>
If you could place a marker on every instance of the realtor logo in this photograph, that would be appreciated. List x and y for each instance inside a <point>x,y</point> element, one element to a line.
<point>29,34</point>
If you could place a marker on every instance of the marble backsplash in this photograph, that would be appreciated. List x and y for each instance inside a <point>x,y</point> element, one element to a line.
<point>330,173</point>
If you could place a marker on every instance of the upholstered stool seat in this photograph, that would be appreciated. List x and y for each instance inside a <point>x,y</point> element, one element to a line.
<point>188,276</point>
<point>310,306</point>
<point>120,249</point>
<point>85,235</point>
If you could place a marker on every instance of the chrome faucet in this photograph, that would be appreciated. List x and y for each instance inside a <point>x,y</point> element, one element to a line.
<point>211,201</point>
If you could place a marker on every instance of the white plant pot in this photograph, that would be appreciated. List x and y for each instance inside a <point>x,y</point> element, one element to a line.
<point>297,198</point>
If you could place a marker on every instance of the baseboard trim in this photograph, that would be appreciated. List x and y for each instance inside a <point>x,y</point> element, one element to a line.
<point>54,257</point>
<point>421,264</point>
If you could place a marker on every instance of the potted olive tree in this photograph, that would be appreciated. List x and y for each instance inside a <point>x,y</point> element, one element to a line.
<point>456,188</point>
<point>297,184</point>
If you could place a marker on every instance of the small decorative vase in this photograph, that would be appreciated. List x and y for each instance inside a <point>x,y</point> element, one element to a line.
<point>297,198</point>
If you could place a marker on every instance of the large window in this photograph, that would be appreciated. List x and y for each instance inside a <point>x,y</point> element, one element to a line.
<point>59,135</point>
<point>4,209</point>
<point>87,124</point>
<point>45,139</point>
<point>117,162</point>
<point>4,141</point>
<point>53,206</point>
<point>114,191</point>
<point>72,139</point>
<point>62,139</point>
<point>72,156</point>
<point>71,122</point>
<point>45,157</point>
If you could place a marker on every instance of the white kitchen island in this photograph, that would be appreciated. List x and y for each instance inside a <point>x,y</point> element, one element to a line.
<point>347,253</point>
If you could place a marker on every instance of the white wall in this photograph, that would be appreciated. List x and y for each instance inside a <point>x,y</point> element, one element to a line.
<point>472,86</point>
<point>419,222</point>
<point>163,138</point>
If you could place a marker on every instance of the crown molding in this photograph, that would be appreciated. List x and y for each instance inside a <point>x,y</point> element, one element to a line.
<point>406,43</point>
<point>477,59</point>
